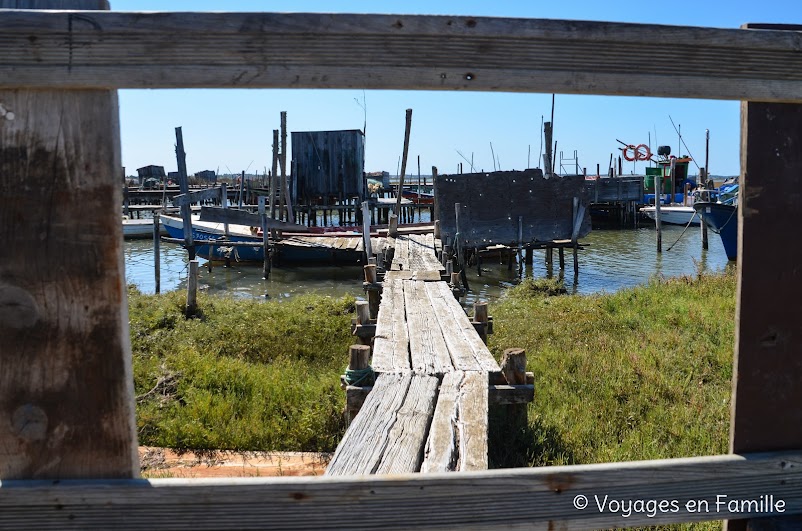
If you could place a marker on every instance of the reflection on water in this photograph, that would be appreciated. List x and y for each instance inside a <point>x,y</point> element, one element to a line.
<point>612,259</point>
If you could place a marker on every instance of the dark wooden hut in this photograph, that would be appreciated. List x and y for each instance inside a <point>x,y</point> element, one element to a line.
<point>328,165</point>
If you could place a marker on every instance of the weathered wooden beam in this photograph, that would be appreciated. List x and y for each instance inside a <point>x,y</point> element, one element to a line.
<point>240,217</point>
<point>303,50</point>
<point>196,196</point>
<point>535,498</point>
<point>66,387</point>
<point>503,394</point>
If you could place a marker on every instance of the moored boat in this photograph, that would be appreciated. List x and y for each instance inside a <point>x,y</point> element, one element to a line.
<point>721,217</point>
<point>674,214</point>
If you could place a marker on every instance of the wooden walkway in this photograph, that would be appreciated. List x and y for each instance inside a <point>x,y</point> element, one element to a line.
<point>428,410</point>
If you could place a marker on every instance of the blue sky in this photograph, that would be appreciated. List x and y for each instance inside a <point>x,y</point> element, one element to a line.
<point>232,129</point>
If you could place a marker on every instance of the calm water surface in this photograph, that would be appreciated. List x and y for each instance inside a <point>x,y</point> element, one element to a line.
<point>614,259</point>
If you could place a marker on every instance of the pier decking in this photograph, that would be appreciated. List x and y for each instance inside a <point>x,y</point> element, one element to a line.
<point>428,410</point>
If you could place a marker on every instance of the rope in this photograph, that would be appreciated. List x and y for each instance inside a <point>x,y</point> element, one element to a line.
<point>683,231</point>
<point>360,376</point>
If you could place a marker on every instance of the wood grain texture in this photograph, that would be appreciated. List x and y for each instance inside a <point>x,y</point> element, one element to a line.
<point>768,346</point>
<point>492,202</point>
<point>442,450</point>
<point>468,351</point>
<point>408,435</point>
<point>365,441</point>
<point>472,425</point>
<point>533,498</point>
<point>391,343</point>
<point>66,386</point>
<point>427,347</point>
<point>138,50</point>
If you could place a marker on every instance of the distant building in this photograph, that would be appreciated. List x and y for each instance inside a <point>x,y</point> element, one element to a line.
<point>328,164</point>
<point>207,175</point>
<point>381,176</point>
<point>173,176</point>
<point>147,172</point>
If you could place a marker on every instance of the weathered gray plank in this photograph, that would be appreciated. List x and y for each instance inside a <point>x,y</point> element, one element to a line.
<point>442,453</point>
<point>391,344</point>
<point>421,253</point>
<point>408,435</point>
<point>241,217</point>
<point>197,196</point>
<point>468,352</point>
<point>401,254</point>
<point>427,347</point>
<point>472,426</point>
<point>492,202</point>
<point>365,441</point>
<point>431,276</point>
<point>66,396</point>
<point>139,50</point>
<point>534,498</point>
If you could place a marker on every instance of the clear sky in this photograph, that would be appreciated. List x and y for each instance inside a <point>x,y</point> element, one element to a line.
<point>231,129</point>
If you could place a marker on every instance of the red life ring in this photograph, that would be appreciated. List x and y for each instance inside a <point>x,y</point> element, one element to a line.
<point>638,153</point>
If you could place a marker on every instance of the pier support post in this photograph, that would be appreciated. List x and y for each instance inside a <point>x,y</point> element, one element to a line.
<point>358,380</point>
<point>156,253</point>
<point>373,289</point>
<point>392,230</point>
<point>513,367</point>
<point>192,289</point>
<point>481,319</point>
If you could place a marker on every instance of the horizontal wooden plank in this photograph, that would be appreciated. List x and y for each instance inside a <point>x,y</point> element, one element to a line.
<point>503,394</point>
<point>391,344</point>
<point>240,217</point>
<point>197,196</point>
<point>431,276</point>
<point>139,50</point>
<point>538,498</point>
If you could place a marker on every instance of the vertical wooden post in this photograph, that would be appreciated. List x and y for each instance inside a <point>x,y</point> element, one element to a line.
<point>372,288</point>
<point>66,393</point>
<point>265,239</point>
<point>513,367</point>
<point>241,189</point>
<point>480,316</point>
<point>274,175</point>
<point>186,211</point>
<point>703,184</point>
<point>192,289</point>
<point>358,360</point>
<point>658,193</point>
<point>407,128</point>
<point>435,212</point>
<point>768,339</point>
<point>366,231</point>
<point>392,229</point>
<point>224,204</point>
<point>157,253</point>
<point>547,156</point>
<point>363,318</point>
<point>126,201</point>
<point>437,229</point>
<point>284,178</point>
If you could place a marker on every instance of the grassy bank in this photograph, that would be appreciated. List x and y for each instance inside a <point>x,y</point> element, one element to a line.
<point>639,374</point>
<point>246,375</point>
<point>643,373</point>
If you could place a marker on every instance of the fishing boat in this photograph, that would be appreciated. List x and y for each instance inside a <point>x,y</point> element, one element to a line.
<point>416,197</point>
<point>674,214</point>
<point>204,231</point>
<point>139,228</point>
<point>720,213</point>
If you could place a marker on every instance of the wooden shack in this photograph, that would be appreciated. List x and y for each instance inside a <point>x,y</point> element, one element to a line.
<point>150,171</point>
<point>207,175</point>
<point>327,166</point>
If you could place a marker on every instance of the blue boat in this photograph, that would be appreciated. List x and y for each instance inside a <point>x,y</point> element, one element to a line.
<point>205,231</point>
<point>720,213</point>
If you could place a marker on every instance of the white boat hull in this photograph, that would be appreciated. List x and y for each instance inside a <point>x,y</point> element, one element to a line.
<point>674,215</point>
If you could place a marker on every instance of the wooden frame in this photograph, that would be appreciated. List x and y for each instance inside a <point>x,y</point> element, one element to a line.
<point>55,67</point>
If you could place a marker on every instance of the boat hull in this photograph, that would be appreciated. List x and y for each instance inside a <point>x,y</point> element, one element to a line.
<point>674,215</point>
<point>722,219</point>
<point>175,229</point>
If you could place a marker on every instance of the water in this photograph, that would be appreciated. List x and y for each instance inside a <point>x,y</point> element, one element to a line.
<point>613,259</point>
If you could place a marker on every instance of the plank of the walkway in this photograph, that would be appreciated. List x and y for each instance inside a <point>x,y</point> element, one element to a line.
<point>472,426</point>
<point>401,254</point>
<point>431,276</point>
<point>391,343</point>
<point>531,498</point>
<point>421,253</point>
<point>66,391</point>
<point>442,450</point>
<point>468,352</point>
<point>427,347</point>
<point>308,50</point>
<point>368,436</point>
<point>408,435</point>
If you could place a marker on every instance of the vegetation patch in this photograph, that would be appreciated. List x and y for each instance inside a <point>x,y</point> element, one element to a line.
<point>247,375</point>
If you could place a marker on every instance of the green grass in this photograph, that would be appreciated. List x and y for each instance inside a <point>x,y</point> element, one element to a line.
<point>643,373</point>
<point>246,375</point>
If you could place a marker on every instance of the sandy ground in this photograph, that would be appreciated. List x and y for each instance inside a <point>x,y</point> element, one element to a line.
<point>163,462</point>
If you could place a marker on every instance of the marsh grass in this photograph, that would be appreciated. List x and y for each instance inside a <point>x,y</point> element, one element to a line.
<point>245,375</point>
<point>644,373</point>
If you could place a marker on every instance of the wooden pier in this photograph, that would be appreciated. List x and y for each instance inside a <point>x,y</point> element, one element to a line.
<point>68,455</point>
<point>428,408</point>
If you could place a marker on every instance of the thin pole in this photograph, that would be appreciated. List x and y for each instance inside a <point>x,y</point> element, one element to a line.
<point>156,252</point>
<point>181,159</point>
<point>703,184</point>
<point>284,180</point>
<point>403,162</point>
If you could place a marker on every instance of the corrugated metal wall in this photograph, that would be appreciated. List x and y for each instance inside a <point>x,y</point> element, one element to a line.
<point>327,163</point>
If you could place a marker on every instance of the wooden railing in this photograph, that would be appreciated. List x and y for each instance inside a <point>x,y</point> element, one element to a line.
<point>66,402</point>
